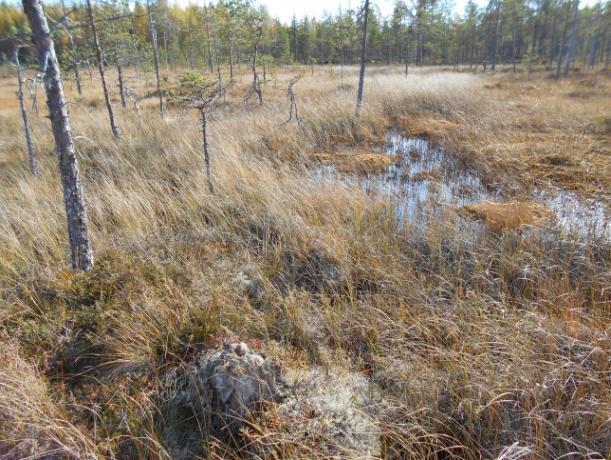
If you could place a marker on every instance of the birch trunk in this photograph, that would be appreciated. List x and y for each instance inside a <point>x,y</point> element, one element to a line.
<point>74,199</point>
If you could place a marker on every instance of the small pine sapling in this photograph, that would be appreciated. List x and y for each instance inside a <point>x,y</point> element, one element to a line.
<point>203,94</point>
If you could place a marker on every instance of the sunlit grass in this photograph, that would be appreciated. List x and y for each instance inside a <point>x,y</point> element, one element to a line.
<point>471,342</point>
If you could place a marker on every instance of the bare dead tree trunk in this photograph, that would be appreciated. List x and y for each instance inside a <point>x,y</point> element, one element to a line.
<point>74,199</point>
<point>98,54</point>
<point>77,77</point>
<point>129,94</point>
<point>256,85</point>
<point>121,85</point>
<point>153,28</point>
<point>293,100</point>
<point>359,95</point>
<point>202,113</point>
<point>75,62</point>
<point>26,122</point>
<point>33,90</point>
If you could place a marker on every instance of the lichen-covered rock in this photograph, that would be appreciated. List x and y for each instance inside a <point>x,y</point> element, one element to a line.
<point>332,411</point>
<point>220,393</point>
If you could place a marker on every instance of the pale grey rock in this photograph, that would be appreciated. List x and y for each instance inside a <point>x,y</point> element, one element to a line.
<point>220,393</point>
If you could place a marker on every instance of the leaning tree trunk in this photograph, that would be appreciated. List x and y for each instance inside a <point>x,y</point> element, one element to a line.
<point>153,27</point>
<point>74,199</point>
<point>98,55</point>
<point>26,122</point>
<point>359,95</point>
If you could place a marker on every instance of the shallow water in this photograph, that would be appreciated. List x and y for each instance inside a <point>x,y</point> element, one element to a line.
<point>586,217</point>
<point>428,179</point>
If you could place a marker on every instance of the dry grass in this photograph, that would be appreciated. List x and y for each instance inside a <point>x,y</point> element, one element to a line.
<point>532,129</point>
<point>511,215</point>
<point>472,342</point>
<point>355,162</point>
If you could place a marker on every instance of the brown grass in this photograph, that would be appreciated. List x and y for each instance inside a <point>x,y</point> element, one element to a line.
<point>531,129</point>
<point>356,162</point>
<point>510,215</point>
<point>470,341</point>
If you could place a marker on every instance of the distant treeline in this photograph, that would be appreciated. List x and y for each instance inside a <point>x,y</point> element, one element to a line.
<point>539,32</point>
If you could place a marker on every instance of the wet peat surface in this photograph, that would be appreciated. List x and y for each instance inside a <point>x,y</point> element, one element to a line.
<point>426,181</point>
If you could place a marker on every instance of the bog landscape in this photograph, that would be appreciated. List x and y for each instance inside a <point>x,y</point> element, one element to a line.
<point>357,236</point>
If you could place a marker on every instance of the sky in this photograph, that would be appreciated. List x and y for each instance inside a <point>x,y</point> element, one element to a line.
<point>284,9</point>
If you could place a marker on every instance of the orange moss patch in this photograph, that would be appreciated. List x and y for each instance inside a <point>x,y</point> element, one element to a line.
<point>510,215</point>
<point>426,128</point>
<point>356,163</point>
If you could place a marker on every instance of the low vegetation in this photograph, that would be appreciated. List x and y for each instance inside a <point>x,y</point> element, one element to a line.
<point>488,342</point>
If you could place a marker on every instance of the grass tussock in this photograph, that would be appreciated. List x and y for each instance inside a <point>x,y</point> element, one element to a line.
<point>471,343</point>
<point>511,215</point>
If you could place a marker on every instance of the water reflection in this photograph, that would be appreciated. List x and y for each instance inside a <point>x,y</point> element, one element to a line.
<point>427,180</point>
